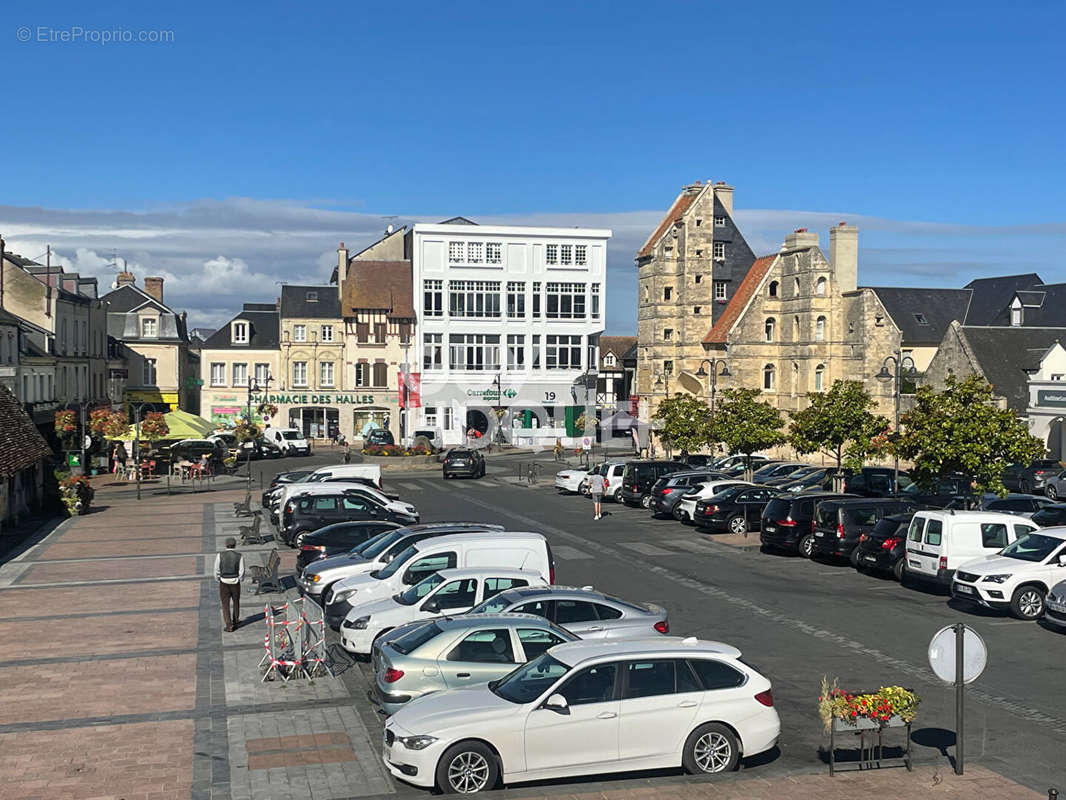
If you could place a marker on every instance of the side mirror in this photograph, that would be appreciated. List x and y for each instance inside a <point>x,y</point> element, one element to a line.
<point>558,704</point>
<point>432,606</point>
<point>1062,559</point>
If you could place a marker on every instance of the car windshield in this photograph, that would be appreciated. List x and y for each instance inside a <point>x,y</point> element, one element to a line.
<point>1034,547</point>
<point>290,435</point>
<point>494,605</point>
<point>420,590</point>
<point>397,562</point>
<point>530,680</point>
<point>371,542</point>
<point>727,494</point>
<point>381,544</point>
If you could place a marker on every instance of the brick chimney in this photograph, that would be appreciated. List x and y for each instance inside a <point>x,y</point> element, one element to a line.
<point>342,268</point>
<point>800,239</point>
<point>844,255</point>
<point>125,278</point>
<point>723,193</point>
<point>154,287</point>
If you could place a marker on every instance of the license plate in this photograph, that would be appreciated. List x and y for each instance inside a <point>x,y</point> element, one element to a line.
<point>771,528</point>
<point>819,534</point>
<point>1060,607</point>
<point>869,559</point>
<point>914,562</point>
<point>964,589</point>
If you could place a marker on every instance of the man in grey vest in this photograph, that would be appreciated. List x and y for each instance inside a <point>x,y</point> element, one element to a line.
<point>229,571</point>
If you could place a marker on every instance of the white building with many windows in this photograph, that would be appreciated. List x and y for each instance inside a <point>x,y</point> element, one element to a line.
<point>509,320</point>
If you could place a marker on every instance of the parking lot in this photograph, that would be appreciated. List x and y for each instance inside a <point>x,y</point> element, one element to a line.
<point>144,659</point>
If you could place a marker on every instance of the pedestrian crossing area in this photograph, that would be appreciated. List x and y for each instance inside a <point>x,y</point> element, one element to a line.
<point>409,485</point>
<point>662,547</point>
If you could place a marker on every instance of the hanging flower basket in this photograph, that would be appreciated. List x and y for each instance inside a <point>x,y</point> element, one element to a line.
<point>267,410</point>
<point>245,430</point>
<point>109,423</point>
<point>154,426</point>
<point>66,423</point>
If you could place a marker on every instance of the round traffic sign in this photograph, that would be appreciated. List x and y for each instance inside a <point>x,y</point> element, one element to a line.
<point>942,654</point>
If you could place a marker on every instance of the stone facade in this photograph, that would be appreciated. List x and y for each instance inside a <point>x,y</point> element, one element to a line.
<point>688,270</point>
<point>803,324</point>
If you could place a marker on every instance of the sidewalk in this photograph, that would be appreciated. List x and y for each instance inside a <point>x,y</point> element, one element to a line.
<point>120,683</point>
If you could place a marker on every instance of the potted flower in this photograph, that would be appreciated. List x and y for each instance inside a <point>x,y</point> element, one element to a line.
<point>66,423</point>
<point>76,492</point>
<point>267,410</point>
<point>888,707</point>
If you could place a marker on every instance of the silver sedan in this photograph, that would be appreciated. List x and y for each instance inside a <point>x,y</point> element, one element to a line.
<point>456,652</point>
<point>584,612</point>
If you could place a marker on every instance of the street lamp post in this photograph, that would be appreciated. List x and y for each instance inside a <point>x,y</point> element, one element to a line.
<point>253,388</point>
<point>902,366</point>
<point>137,409</point>
<point>713,363</point>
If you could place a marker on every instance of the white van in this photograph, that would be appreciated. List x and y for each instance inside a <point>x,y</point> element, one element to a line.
<point>526,551</point>
<point>449,592</point>
<point>939,541</point>
<point>291,441</point>
<point>364,472</point>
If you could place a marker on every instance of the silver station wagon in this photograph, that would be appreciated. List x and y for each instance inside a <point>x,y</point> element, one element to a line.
<point>585,612</point>
<point>455,652</point>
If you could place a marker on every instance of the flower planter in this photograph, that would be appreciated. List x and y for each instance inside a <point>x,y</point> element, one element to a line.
<point>866,724</point>
<point>871,742</point>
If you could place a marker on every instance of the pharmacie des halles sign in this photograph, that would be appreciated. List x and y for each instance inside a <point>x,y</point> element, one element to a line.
<point>316,399</point>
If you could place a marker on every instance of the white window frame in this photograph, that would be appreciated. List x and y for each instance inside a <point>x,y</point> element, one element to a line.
<point>261,373</point>
<point>475,252</point>
<point>474,300</point>
<point>551,255</point>
<point>433,298</point>
<point>562,352</point>
<point>819,329</point>
<point>239,333</point>
<point>720,222</point>
<point>326,333</point>
<point>493,253</point>
<point>240,373</point>
<point>566,255</point>
<point>326,374</point>
<point>149,328</point>
<point>581,255</point>
<point>456,252</point>
<point>299,373</point>
<point>569,300</point>
<point>474,352</point>
<point>769,378</point>
<point>594,305</point>
<point>516,352</point>
<point>218,373</point>
<point>718,251</point>
<point>721,290</point>
<point>516,300</point>
<point>432,352</point>
<point>299,333</point>
<point>149,372</point>
<point>819,378</point>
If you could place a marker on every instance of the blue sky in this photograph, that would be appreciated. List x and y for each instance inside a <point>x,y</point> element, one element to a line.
<point>261,133</point>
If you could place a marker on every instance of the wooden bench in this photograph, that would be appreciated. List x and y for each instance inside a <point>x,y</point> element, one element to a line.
<point>243,508</point>
<point>252,534</point>
<point>265,576</point>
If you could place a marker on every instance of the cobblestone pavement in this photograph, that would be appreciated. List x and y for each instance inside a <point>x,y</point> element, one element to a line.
<point>120,683</point>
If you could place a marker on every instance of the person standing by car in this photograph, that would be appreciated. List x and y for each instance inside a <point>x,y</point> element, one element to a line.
<point>229,571</point>
<point>596,486</point>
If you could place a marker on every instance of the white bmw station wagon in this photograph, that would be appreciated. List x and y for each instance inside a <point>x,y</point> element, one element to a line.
<point>588,707</point>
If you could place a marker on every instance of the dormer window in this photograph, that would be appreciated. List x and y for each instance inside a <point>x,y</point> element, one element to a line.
<point>608,360</point>
<point>1016,313</point>
<point>148,328</point>
<point>312,297</point>
<point>240,333</point>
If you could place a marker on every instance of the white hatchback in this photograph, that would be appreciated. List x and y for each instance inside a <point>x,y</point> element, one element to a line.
<point>569,480</point>
<point>1019,577</point>
<point>448,592</point>
<point>685,508</point>
<point>588,707</point>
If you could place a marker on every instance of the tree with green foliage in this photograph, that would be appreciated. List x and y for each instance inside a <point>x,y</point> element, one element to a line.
<point>684,422</point>
<point>744,424</point>
<point>839,423</point>
<point>961,430</point>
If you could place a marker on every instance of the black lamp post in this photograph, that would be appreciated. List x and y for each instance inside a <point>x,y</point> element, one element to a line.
<point>253,388</point>
<point>713,363</point>
<point>137,409</point>
<point>902,366</point>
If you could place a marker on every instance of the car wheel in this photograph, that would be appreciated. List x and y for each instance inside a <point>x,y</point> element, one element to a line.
<point>710,748</point>
<point>854,559</point>
<point>467,768</point>
<point>1027,602</point>
<point>899,570</point>
<point>298,539</point>
<point>1051,492</point>
<point>614,495</point>
<point>645,501</point>
<point>737,524</point>
<point>806,546</point>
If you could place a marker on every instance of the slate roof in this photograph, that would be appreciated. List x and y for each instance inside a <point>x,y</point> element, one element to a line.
<point>128,298</point>
<point>1045,308</point>
<point>991,297</point>
<point>263,334</point>
<point>380,286</point>
<point>618,345</point>
<point>21,444</point>
<point>295,302</point>
<point>923,315</point>
<point>720,332</point>
<point>457,221</point>
<point>1004,355</point>
<point>681,204</point>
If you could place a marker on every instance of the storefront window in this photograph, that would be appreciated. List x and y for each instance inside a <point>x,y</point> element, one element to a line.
<point>371,417</point>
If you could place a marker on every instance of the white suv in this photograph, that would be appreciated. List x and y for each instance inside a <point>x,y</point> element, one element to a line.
<point>1018,577</point>
<point>588,707</point>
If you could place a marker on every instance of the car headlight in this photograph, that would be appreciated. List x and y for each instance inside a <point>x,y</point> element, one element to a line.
<point>339,597</point>
<point>314,579</point>
<point>995,578</point>
<point>416,742</point>
<point>357,624</point>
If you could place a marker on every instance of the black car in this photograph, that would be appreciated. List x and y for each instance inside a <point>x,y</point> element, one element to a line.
<point>379,436</point>
<point>280,478</point>
<point>884,548</point>
<point>783,469</point>
<point>339,537</point>
<point>737,509</point>
<point>696,460</point>
<point>1050,516</point>
<point>462,461</point>
<point>310,512</point>
<point>801,481</point>
<point>839,524</point>
<point>1024,505</point>
<point>639,476</point>
<point>948,492</point>
<point>787,521</point>
<point>1026,479</point>
<point>666,491</point>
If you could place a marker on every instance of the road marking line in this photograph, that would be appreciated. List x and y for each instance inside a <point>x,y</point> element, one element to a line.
<point>409,487</point>
<point>690,546</point>
<point>568,553</point>
<point>647,549</point>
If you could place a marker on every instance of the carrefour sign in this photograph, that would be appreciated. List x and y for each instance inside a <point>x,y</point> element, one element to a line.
<point>491,393</point>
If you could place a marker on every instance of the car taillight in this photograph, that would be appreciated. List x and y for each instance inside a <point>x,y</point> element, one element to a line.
<point>320,548</point>
<point>709,509</point>
<point>862,538</point>
<point>393,675</point>
<point>840,531</point>
<point>766,698</point>
<point>943,562</point>
<point>788,522</point>
<point>667,491</point>
<point>551,574</point>
<point>663,626</point>
<point>888,544</point>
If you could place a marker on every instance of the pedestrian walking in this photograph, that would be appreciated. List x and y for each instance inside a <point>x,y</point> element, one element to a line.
<point>229,571</point>
<point>347,453</point>
<point>120,459</point>
<point>596,487</point>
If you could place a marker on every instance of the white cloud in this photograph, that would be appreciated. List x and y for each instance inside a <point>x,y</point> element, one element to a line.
<point>216,254</point>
